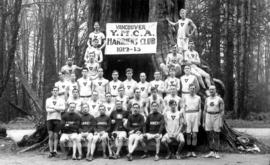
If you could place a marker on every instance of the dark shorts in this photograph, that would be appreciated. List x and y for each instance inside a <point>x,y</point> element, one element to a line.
<point>54,125</point>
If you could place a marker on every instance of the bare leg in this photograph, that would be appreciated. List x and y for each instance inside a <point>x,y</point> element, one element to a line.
<point>55,143</point>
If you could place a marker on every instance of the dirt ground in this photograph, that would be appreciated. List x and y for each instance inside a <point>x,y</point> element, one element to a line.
<point>32,158</point>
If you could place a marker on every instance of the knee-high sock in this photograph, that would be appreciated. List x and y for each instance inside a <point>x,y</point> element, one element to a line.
<point>216,141</point>
<point>210,135</point>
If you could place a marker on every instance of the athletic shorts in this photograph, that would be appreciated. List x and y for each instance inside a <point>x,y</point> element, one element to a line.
<point>182,43</point>
<point>150,136</point>
<point>135,136</point>
<point>192,122</point>
<point>54,125</point>
<point>213,122</point>
<point>85,136</point>
<point>121,134</point>
<point>68,137</point>
<point>178,138</point>
<point>98,137</point>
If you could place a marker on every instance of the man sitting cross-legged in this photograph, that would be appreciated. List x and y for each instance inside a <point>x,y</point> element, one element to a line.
<point>154,126</point>
<point>70,127</point>
<point>119,118</point>
<point>101,134</point>
<point>88,127</point>
<point>174,125</point>
<point>135,126</point>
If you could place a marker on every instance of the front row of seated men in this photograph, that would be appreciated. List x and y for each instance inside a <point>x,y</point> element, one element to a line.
<point>121,125</point>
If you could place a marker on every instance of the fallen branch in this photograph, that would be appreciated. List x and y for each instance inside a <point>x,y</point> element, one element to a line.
<point>34,146</point>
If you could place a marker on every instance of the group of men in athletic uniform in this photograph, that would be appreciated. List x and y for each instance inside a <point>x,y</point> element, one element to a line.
<point>92,110</point>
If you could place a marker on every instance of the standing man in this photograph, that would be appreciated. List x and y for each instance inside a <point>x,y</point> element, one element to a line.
<point>172,96</point>
<point>129,83</point>
<point>73,84</point>
<point>70,128</point>
<point>115,84</point>
<point>85,86</point>
<point>183,33</point>
<point>192,111</point>
<point>94,104</point>
<point>143,85</point>
<point>92,67</point>
<point>174,122</point>
<point>119,118</point>
<point>186,80</point>
<point>154,126</point>
<point>54,106</point>
<point>123,97</point>
<point>97,34</point>
<point>213,121</point>
<point>135,126</point>
<point>158,84</point>
<point>101,85</point>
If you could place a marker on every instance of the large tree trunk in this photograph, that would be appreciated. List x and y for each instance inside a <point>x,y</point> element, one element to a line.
<point>228,57</point>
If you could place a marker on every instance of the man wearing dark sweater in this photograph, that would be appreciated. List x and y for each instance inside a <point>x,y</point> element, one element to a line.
<point>88,127</point>
<point>135,126</point>
<point>154,126</point>
<point>101,134</point>
<point>70,125</point>
<point>119,117</point>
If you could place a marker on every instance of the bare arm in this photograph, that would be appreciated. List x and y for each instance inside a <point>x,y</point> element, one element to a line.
<point>170,22</point>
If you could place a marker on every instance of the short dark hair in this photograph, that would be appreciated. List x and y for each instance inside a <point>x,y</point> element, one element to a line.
<point>129,70</point>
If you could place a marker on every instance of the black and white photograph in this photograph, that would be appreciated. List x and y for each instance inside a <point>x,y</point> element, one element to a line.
<point>139,82</point>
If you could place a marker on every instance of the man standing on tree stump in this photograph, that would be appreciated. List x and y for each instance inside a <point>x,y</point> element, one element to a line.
<point>213,121</point>
<point>54,106</point>
<point>184,26</point>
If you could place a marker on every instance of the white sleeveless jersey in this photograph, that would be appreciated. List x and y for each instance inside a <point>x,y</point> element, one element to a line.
<point>92,68</point>
<point>93,107</point>
<point>172,122</point>
<point>109,108</point>
<point>71,86</point>
<point>186,81</point>
<point>159,85</point>
<point>192,56</point>
<point>192,103</point>
<point>99,36</point>
<point>89,50</point>
<point>77,101</point>
<point>172,81</point>
<point>171,59</point>
<point>212,104</point>
<point>62,85</point>
<point>129,87</point>
<point>144,88</point>
<point>85,86</point>
<point>114,85</point>
<point>183,27</point>
<point>100,85</point>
